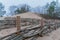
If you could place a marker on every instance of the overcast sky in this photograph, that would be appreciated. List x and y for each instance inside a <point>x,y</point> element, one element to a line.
<point>32,3</point>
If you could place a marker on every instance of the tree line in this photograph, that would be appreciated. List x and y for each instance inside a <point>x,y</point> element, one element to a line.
<point>51,9</point>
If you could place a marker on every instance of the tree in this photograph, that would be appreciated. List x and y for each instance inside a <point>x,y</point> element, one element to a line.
<point>51,8</point>
<point>2,11</point>
<point>22,9</point>
<point>12,9</point>
<point>47,5</point>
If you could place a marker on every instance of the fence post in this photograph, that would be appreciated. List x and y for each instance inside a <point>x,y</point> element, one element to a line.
<point>42,23</point>
<point>18,24</point>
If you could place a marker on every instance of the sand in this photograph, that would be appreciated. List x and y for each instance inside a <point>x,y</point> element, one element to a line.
<point>55,35</point>
<point>6,32</point>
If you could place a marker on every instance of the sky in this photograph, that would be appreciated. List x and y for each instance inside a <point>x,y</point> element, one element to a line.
<point>32,3</point>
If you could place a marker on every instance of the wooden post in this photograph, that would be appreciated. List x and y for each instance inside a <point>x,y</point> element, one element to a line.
<point>41,23</point>
<point>55,25</point>
<point>18,24</point>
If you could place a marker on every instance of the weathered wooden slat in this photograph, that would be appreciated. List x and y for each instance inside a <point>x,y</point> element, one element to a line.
<point>18,24</point>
